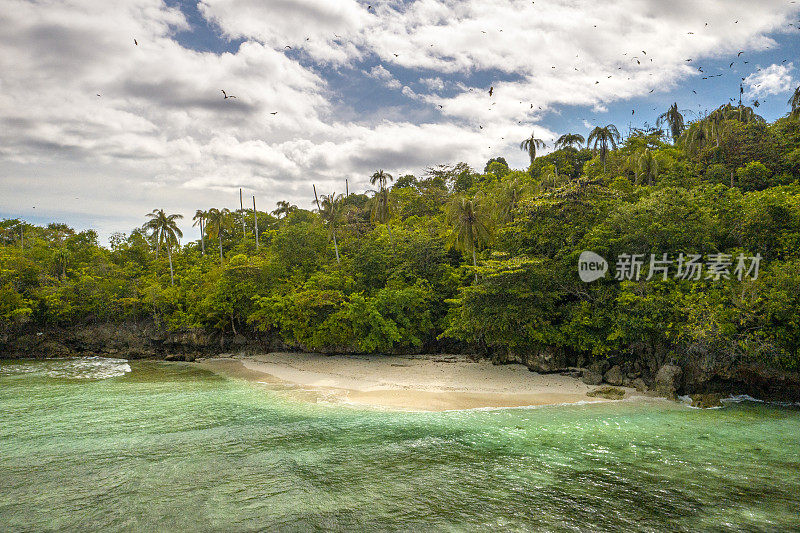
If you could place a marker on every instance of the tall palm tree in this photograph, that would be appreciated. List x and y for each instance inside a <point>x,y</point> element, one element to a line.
<point>696,136</point>
<point>217,221</point>
<point>647,167</point>
<point>200,220</point>
<point>604,140</point>
<point>284,209</point>
<point>381,178</point>
<point>331,211</point>
<point>62,258</point>
<point>509,198</point>
<point>569,140</point>
<point>471,226</point>
<point>674,119</point>
<point>794,102</point>
<point>164,229</point>
<point>380,210</point>
<point>530,145</point>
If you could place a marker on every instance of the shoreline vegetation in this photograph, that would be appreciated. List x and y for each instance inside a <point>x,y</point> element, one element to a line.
<point>478,263</point>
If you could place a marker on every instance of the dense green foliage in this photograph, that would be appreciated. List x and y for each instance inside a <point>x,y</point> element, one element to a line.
<point>459,259</point>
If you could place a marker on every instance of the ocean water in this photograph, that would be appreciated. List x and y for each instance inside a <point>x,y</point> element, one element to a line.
<point>99,444</point>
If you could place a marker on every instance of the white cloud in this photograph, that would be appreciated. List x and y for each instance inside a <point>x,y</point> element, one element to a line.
<point>379,72</point>
<point>161,135</point>
<point>775,79</point>
<point>433,84</point>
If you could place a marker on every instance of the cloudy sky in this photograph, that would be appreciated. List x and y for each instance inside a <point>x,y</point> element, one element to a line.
<point>96,130</point>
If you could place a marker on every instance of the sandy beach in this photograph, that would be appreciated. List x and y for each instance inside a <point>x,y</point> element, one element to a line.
<point>418,383</point>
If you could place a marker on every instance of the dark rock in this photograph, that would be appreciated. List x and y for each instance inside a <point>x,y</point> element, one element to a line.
<point>614,376</point>
<point>667,380</point>
<point>609,393</point>
<point>591,377</point>
<point>544,360</point>
<point>706,401</point>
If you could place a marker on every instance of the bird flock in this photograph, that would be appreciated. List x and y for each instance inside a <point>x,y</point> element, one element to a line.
<point>638,59</point>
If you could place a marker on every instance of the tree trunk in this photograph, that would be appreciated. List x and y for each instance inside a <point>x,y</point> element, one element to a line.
<point>336,247</point>
<point>475,264</point>
<point>171,274</point>
<point>220,249</point>
<point>202,238</point>
<point>255,221</point>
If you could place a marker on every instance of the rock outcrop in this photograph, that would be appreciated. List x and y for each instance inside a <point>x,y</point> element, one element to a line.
<point>614,376</point>
<point>667,381</point>
<point>609,393</point>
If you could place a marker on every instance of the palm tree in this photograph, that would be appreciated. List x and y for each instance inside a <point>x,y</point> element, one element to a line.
<point>510,196</point>
<point>604,138</point>
<point>200,220</point>
<point>569,140</point>
<point>218,220</point>
<point>331,211</point>
<point>647,167</point>
<point>284,209</point>
<point>530,145</point>
<point>381,177</point>
<point>62,257</point>
<point>380,210</point>
<point>471,226</point>
<point>164,229</point>
<point>794,102</point>
<point>674,119</point>
<point>696,136</point>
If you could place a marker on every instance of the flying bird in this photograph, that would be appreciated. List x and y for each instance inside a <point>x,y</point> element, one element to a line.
<point>739,54</point>
<point>136,42</point>
<point>226,95</point>
<point>274,113</point>
<point>491,90</point>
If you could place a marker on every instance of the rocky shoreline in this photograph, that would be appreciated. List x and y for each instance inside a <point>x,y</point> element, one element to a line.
<point>707,385</point>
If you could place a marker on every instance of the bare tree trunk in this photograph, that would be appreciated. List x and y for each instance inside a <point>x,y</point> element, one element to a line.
<point>220,249</point>
<point>241,210</point>
<point>202,238</point>
<point>171,274</point>
<point>255,221</point>
<point>475,264</point>
<point>336,247</point>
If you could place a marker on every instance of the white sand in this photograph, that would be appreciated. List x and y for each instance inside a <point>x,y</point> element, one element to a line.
<point>428,383</point>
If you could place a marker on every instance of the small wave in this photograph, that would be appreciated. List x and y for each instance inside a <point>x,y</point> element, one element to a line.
<point>77,368</point>
<point>747,398</point>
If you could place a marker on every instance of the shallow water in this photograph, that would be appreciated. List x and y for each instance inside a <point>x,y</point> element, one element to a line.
<point>109,445</point>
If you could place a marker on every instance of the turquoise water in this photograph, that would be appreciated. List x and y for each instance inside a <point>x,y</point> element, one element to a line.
<point>109,445</point>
